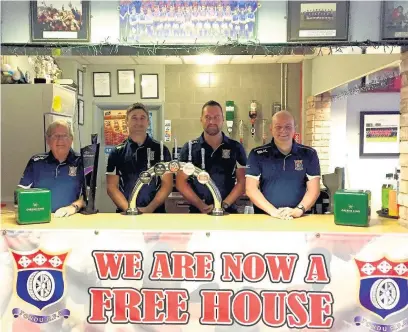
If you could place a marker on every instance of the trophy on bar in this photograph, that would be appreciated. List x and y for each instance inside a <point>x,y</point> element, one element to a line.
<point>174,166</point>
<point>90,156</point>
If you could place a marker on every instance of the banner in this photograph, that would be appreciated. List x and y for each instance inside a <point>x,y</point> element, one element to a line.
<point>202,281</point>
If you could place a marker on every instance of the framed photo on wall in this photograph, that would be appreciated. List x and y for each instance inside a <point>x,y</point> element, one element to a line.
<point>318,20</point>
<point>81,116</point>
<point>149,86</point>
<point>394,20</point>
<point>101,84</point>
<point>60,20</point>
<point>379,133</point>
<point>126,81</point>
<point>80,80</point>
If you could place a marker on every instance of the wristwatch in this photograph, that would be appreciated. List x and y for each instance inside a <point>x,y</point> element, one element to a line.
<point>225,205</point>
<point>77,208</point>
<point>300,206</point>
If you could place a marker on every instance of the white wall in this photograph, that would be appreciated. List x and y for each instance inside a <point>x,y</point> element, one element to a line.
<point>361,172</point>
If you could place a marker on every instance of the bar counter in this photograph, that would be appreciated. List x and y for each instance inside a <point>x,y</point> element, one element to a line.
<point>193,222</point>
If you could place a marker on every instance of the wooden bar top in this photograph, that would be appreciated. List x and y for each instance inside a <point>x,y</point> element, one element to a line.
<point>195,222</point>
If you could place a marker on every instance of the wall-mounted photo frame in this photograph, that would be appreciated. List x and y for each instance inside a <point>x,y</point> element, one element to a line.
<point>394,20</point>
<point>80,82</point>
<point>149,86</point>
<point>126,81</point>
<point>318,20</point>
<point>81,116</point>
<point>101,84</point>
<point>379,133</point>
<point>60,21</point>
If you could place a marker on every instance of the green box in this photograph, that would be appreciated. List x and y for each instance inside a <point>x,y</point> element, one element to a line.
<point>352,207</point>
<point>34,206</point>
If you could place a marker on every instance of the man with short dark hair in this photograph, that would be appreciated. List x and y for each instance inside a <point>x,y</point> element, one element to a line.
<point>129,159</point>
<point>283,177</point>
<point>60,170</point>
<point>224,161</point>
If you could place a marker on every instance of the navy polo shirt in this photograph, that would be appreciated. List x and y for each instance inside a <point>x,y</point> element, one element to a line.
<point>220,163</point>
<point>282,178</point>
<point>64,180</point>
<point>128,160</point>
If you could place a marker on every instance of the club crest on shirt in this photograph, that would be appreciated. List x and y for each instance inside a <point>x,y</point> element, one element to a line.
<point>298,165</point>
<point>72,171</point>
<point>226,154</point>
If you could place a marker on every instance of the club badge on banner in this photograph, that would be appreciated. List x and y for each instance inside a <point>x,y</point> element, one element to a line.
<point>198,281</point>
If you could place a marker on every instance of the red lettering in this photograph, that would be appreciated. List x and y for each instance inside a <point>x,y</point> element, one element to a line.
<point>247,308</point>
<point>177,306</point>
<point>231,267</point>
<point>216,307</point>
<point>100,303</point>
<point>126,307</point>
<point>320,310</point>
<point>281,267</point>
<point>152,305</point>
<point>161,267</point>
<point>182,266</point>
<point>317,270</point>
<point>298,316</point>
<point>254,267</point>
<point>274,303</point>
<point>109,264</point>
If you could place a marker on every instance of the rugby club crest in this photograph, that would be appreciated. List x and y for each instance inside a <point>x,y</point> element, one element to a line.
<point>383,286</point>
<point>299,165</point>
<point>40,282</point>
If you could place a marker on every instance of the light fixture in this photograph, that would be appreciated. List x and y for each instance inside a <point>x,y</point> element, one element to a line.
<point>203,80</point>
<point>206,59</point>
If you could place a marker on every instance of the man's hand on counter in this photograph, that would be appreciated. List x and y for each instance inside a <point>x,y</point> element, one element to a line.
<point>65,211</point>
<point>289,212</point>
<point>206,208</point>
<point>145,209</point>
<point>280,214</point>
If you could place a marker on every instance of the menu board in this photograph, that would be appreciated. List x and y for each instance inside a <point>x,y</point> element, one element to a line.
<point>115,127</point>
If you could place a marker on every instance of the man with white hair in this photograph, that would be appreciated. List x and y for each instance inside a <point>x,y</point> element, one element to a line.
<point>60,170</point>
<point>283,177</point>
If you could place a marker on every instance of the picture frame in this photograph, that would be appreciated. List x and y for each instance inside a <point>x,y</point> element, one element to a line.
<point>317,20</point>
<point>81,116</point>
<point>149,86</point>
<point>80,82</point>
<point>394,20</point>
<point>60,21</point>
<point>126,81</point>
<point>379,133</point>
<point>101,84</point>
<point>385,80</point>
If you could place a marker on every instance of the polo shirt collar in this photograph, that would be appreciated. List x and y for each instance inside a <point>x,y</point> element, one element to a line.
<point>225,139</point>
<point>293,151</point>
<point>147,141</point>
<point>69,160</point>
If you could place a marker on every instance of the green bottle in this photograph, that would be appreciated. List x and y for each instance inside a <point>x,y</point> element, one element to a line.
<point>385,192</point>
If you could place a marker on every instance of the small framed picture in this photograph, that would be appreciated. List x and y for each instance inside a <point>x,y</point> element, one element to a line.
<point>126,81</point>
<point>149,86</point>
<point>101,84</point>
<point>318,20</point>
<point>60,20</point>
<point>81,117</point>
<point>80,80</point>
<point>379,133</point>
<point>394,20</point>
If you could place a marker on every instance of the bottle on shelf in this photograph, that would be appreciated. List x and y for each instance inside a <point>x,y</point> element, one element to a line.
<point>385,191</point>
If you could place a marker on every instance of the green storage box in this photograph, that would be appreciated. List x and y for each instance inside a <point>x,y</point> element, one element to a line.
<point>352,207</point>
<point>34,206</point>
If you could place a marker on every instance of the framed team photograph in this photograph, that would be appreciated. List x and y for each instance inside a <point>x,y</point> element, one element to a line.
<point>379,133</point>
<point>60,21</point>
<point>318,20</point>
<point>394,20</point>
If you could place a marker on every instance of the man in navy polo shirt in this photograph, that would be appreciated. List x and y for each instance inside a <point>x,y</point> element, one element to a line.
<point>129,159</point>
<point>224,161</point>
<point>283,177</point>
<point>60,171</point>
